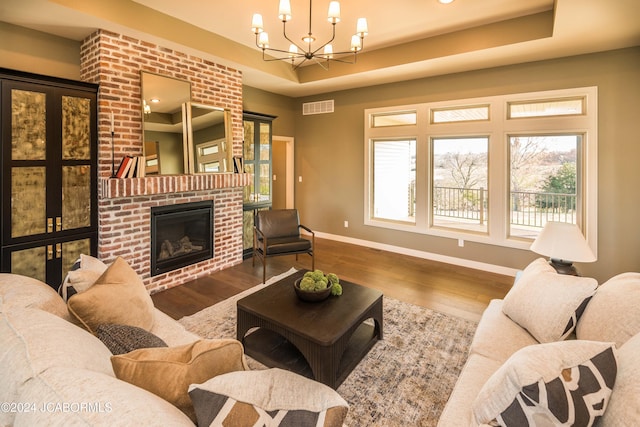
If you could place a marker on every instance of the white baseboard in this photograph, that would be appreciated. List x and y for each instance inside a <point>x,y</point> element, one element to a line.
<point>498,269</point>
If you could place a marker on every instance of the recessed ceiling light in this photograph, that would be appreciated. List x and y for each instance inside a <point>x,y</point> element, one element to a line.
<point>155,100</point>
<point>445,1</point>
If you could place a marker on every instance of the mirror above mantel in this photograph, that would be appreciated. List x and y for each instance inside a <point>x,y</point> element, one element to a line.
<point>181,137</point>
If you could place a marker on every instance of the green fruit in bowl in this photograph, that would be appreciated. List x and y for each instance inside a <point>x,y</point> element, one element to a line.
<point>314,281</point>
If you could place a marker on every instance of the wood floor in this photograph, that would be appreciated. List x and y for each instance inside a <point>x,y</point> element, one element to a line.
<point>446,288</point>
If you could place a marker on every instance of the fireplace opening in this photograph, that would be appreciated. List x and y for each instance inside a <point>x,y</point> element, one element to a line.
<point>181,235</point>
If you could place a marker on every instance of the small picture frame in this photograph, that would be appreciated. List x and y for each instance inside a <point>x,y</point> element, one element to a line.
<point>238,167</point>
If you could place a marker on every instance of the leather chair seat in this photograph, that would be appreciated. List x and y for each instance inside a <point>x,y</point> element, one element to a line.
<point>279,245</point>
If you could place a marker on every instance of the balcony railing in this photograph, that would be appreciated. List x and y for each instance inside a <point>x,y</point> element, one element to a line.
<point>532,209</point>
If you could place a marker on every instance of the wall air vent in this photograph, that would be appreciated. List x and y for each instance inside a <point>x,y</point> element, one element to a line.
<point>318,107</point>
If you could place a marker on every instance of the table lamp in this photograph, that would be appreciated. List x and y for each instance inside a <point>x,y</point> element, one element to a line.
<point>564,244</point>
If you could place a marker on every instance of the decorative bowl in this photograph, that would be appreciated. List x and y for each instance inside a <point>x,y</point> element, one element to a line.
<point>311,296</point>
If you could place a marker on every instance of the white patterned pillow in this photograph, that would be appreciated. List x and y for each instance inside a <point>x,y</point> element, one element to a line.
<point>548,304</point>
<point>270,397</point>
<point>561,383</point>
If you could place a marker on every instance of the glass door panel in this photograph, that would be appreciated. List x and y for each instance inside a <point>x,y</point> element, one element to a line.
<point>248,146</point>
<point>28,125</point>
<point>30,262</point>
<point>76,202</point>
<point>265,183</point>
<point>265,142</point>
<point>71,252</point>
<point>76,128</point>
<point>28,201</point>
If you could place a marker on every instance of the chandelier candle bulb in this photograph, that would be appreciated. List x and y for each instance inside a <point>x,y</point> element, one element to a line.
<point>334,12</point>
<point>256,23</point>
<point>293,50</point>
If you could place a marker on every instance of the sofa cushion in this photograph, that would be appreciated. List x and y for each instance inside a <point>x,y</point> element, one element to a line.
<point>561,383</point>
<point>612,314</point>
<point>70,396</point>
<point>548,304</point>
<point>477,370</point>
<point>83,274</point>
<point>118,296</point>
<point>271,397</point>
<point>624,406</point>
<point>170,331</point>
<point>121,339</point>
<point>167,372</point>
<point>22,292</point>
<point>494,323</point>
<point>34,341</point>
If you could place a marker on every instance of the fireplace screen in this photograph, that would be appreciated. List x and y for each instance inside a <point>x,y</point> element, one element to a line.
<point>181,235</point>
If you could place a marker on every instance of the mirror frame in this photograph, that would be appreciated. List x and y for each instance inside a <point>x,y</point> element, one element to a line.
<point>188,109</point>
<point>170,106</point>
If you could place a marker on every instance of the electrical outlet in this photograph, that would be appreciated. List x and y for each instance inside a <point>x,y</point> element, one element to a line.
<point>300,178</point>
<point>346,224</point>
<point>274,176</point>
<point>461,243</point>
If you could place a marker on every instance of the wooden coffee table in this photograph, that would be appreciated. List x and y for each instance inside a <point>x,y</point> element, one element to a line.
<point>320,340</point>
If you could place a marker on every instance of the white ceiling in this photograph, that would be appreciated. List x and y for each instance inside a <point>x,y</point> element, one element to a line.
<point>579,26</point>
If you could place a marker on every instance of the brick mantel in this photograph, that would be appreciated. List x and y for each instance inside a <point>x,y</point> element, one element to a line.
<point>113,188</point>
<point>115,62</point>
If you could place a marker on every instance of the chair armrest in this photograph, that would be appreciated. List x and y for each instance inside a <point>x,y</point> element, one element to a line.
<point>305,228</point>
<point>259,239</point>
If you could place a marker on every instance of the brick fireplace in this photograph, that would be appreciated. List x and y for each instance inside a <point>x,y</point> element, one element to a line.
<point>115,62</point>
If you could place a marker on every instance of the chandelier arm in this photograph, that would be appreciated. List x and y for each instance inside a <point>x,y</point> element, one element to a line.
<point>284,32</point>
<point>333,36</point>
<point>288,57</point>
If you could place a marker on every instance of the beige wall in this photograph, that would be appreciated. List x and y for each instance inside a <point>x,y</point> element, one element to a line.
<point>35,52</point>
<point>330,154</point>
<point>329,148</point>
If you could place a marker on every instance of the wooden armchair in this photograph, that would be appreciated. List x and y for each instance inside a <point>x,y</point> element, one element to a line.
<point>277,232</point>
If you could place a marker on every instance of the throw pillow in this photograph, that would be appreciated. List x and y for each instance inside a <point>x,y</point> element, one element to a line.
<point>547,304</point>
<point>167,372</point>
<point>121,339</point>
<point>271,397</point>
<point>82,275</point>
<point>561,383</point>
<point>624,407</point>
<point>118,296</point>
<point>612,314</point>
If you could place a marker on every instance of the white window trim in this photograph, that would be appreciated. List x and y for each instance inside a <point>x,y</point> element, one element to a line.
<point>498,129</point>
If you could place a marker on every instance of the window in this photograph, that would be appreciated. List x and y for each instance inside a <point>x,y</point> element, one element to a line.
<point>544,180</point>
<point>492,170</point>
<point>394,180</point>
<point>459,185</point>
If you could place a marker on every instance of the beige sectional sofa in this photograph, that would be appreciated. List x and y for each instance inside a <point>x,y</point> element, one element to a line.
<point>54,372</point>
<point>535,350</point>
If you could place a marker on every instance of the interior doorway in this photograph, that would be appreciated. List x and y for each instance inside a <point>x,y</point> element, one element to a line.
<point>282,179</point>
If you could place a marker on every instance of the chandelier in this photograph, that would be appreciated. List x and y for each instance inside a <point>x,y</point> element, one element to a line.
<point>299,55</point>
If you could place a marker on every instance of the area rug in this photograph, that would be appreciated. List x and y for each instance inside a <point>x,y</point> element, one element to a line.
<point>404,380</point>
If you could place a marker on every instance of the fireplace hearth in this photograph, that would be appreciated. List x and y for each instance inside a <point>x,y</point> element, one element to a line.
<point>181,235</point>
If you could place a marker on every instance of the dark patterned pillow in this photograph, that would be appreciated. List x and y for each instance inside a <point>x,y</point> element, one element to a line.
<point>561,383</point>
<point>121,339</point>
<point>270,397</point>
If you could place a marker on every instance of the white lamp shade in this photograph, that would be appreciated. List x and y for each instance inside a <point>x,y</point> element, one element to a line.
<point>563,241</point>
<point>362,29</point>
<point>256,23</point>
<point>334,12</point>
<point>284,10</point>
